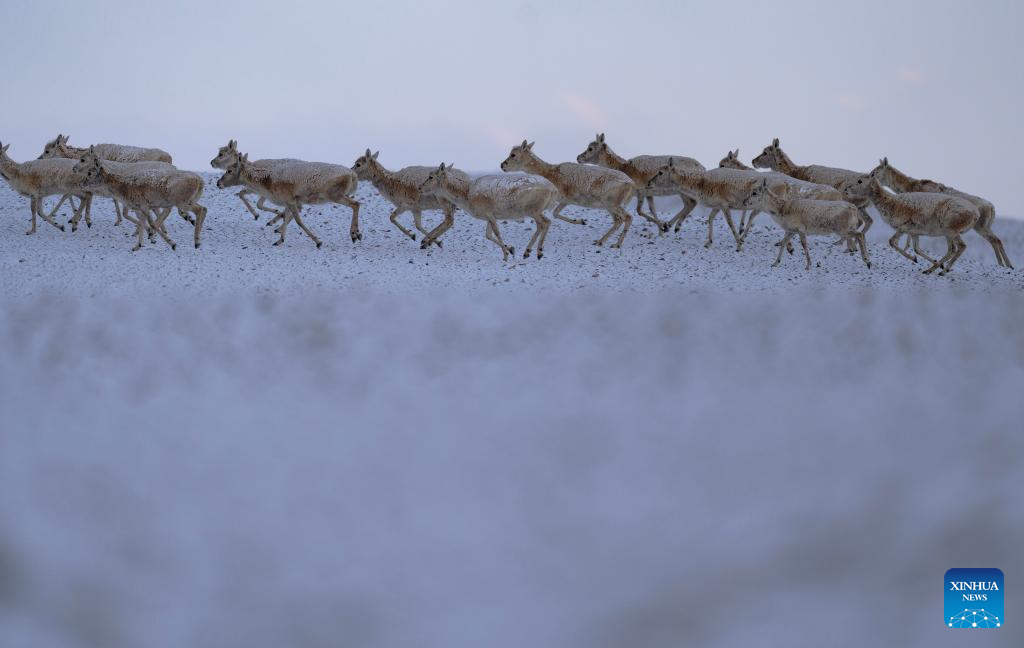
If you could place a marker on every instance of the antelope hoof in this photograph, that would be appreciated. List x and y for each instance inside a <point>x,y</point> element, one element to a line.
<point>663,227</point>
<point>197,245</point>
<point>437,242</point>
<point>174,246</point>
<point>512,250</point>
<point>278,242</point>
<point>615,246</point>
<point>598,242</point>
<point>707,244</point>
<point>319,243</point>
<point>88,224</point>
<point>583,221</point>
<point>526,255</point>
<point>412,236</point>
<point>61,228</point>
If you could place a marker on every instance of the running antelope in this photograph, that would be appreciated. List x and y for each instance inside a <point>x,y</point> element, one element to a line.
<point>580,184</point>
<point>641,169</point>
<point>801,217</point>
<point>900,182</point>
<point>497,197</point>
<point>781,185</point>
<point>402,189</point>
<point>773,157</point>
<point>38,179</point>
<point>147,191</point>
<point>721,190</point>
<point>59,148</point>
<point>296,185</point>
<point>228,155</point>
<point>920,214</point>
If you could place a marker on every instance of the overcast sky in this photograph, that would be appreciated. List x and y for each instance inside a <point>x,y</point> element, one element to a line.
<point>934,85</point>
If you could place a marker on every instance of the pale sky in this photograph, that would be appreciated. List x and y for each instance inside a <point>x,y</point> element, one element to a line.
<point>934,85</point>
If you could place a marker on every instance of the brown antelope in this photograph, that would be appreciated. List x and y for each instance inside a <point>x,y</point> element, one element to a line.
<point>147,191</point>
<point>228,155</point>
<point>59,148</point>
<point>721,190</point>
<point>800,217</point>
<point>900,182</point>
<point>641,169</point>
<point>920,214</point>
<point>38,179</point>
<point>402,189</point>
<point>773,157</point>
<point>497,197</point>
<point>580,184</point>
<point>295,185</point>
<point>781,185</point>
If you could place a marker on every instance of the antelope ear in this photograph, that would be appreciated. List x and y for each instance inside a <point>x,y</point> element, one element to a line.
<point>600,137</point>
<point>775,142</point>
<point>529,147</point>
<point>885,161</point>
<point>232,145</point>
<point>672,162</point>
<point>245,158</point>
<point>736,153</point>
<point>524,144</point>
<point>368,154</point>
<point>5,147</point>
<point>376,154</point>
<point>441,168</point>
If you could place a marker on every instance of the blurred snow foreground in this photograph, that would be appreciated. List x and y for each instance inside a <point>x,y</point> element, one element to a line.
<point>205,449</point>
<point>581,469</point>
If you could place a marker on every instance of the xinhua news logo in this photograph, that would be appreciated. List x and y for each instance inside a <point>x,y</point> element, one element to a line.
<point>974,598</point>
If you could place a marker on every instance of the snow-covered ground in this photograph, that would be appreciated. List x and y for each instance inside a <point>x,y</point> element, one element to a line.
<point>372,445</point>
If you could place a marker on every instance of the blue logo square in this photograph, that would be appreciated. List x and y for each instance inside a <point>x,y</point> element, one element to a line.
<point>974,598</point>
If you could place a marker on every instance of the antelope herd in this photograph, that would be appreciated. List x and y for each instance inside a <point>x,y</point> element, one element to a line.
<point>802,200</point>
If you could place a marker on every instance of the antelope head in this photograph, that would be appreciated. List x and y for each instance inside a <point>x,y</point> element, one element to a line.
<point>520,158</point>
<point>594,152</point>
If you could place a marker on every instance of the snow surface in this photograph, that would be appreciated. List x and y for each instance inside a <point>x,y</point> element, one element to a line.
<point>374,445</point>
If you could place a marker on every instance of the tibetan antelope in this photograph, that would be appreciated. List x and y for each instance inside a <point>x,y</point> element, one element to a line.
<point>38,179</point>
<point>59,148</point>
<point>919,214</point>
<point>781,185</point>
<point>497,197</point>
<point>641,169</point>
<point>402,189</point>
<point>147,192</point>
<point>296,185</point>
<point>228,155</point>
<point>580,184</point>
<point>900,182</point>
<point>800,217</point>
<point>773,157</point>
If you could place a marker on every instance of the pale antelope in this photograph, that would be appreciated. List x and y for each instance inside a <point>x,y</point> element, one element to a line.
<point>228,155</point>
<point>580,184</point>
<point>402,189</point>
<point>38,179</point>
<point>773,157</point>
<point>801,217</point>
<point>497,197</point>
<point>900,182</point>
<point>920,214</point>
<point>641,169</point>
<point>147,191</point>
